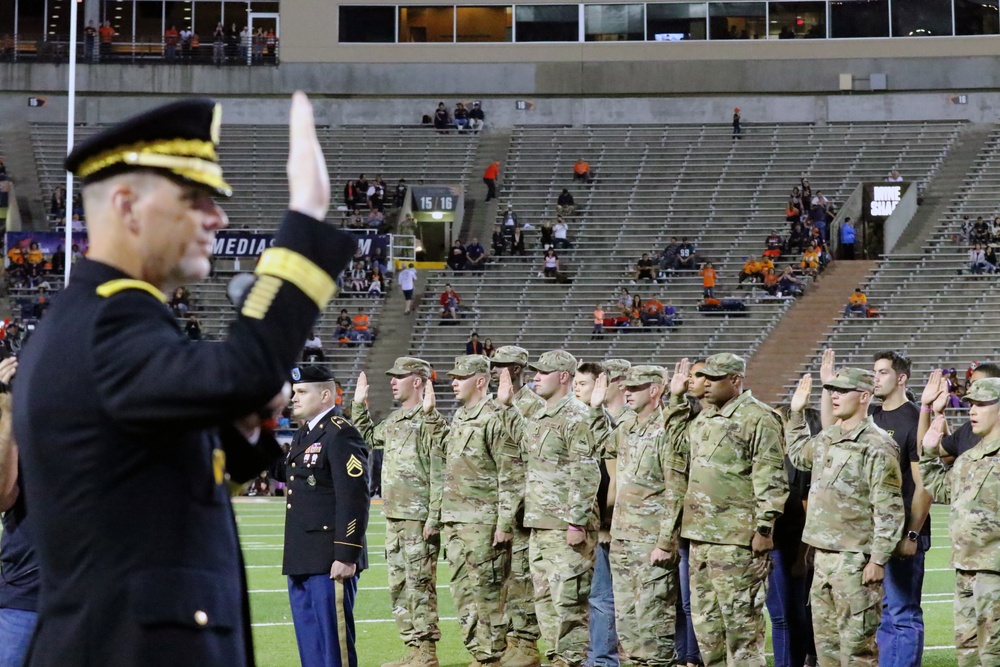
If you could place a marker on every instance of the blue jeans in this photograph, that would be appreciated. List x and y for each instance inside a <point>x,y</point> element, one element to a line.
<point>603,637</point>
<point>16,628</point>
<point>901,633</point>
<point>780,607</point>
<point>684,640</point>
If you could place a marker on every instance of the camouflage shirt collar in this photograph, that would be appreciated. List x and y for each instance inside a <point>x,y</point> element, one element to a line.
<point>525,392</point>
<point>983,449</point>
<point>415,411</point>
<point>475,410</point>
<point>730,408</point>
<point>621,412</point>
<point>549,411</point>
<point>655,418</point>
<point>855,433</point>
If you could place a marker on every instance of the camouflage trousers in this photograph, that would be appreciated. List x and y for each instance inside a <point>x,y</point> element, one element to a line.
<point>645,600</point>
<point>845,612</point>
<point>412,567</point>
<point>977,618</point>
<point>727,604</point>
<point>561,576</point>
<point>478,573</point>
<point>520,590</point>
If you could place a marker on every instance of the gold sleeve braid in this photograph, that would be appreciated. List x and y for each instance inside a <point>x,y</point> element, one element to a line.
<point>294,268</point>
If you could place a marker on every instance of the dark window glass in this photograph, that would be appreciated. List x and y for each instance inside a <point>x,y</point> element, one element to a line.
<point>119,12</point>
<point>58,27</point>
<point>367,24</point>
<point>206,16</point>
<point>977,17</point>
<point>921,18</point>
<point>178,14</point>
<point>484,24</point>
<point>613,23</point>
<point>547,23</point>
<point>426,24</point>
<point>797,20</point>
<point>737,20</point>
<point>859,18</point>
<point>675,21</point>
<point>7,27</point>
<point>236,16</point>
<point>149,22</point>
<point>30,21</point>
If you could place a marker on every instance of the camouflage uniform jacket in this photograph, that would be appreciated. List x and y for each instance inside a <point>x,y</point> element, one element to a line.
<point>651,483</point>
<point>619,424</point>
<point>972,487</point>
<point>737,480</point>
<point>855,502</point>
<point>560,448</point>
<point>411,468</point>
<point>482,477</point>
<point>527,402</point>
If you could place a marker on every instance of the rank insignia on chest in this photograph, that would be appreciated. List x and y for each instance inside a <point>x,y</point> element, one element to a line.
<point>354,467</point>
<point>314,448</point>
<point>311,480</point>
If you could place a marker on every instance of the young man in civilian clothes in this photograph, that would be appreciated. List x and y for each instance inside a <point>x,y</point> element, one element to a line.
<point>901,633</point>
<point>973,489</point>
<point>603,651</point>
<point>326,516</point>
<point>523,633</point>
<point>407,278</point>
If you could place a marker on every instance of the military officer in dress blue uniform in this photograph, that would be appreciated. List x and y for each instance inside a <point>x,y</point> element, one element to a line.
<point>326,472</point>
<point>128,431</point>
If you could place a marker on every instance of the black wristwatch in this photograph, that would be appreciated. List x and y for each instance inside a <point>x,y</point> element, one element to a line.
<point>764,531</point>
<point>912,535</point>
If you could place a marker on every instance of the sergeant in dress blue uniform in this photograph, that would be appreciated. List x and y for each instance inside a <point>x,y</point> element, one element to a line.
<point>127,429</point>
<point>326,472</point>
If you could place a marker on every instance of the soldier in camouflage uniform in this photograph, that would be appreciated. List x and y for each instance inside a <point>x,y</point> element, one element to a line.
<point>481,495</point>
<point>412,437</point>
<point>560,506</point>
<point>651,485</point>
<point>972,487</point>
<point>522,638</point>
<point>736,489</point>
<point>854,516</point>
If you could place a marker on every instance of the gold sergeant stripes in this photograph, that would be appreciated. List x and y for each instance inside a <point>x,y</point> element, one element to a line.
<point>113,287</point>
<point>300,271</point>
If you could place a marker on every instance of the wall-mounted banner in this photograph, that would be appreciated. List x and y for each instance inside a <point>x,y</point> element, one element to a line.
<point>236,243</point>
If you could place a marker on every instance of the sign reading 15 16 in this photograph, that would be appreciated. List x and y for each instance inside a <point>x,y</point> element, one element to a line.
<point>435,198</point>
<point>431,203</point>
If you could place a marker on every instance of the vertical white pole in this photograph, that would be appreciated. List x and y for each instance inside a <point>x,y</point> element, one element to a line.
<point>70,127</point>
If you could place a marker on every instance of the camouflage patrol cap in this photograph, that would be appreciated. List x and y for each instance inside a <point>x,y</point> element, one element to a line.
<point>986,390</point>
<point>469,364</point>
<point>640,375</point>
<point>510,354</point>
<point>851,379</point>
<point>616,369</point>
<point>555,360</point>
<point>410,366</point>
<point>722,365</point>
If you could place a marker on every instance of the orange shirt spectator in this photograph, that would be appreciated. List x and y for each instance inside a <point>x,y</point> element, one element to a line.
<point>106,33</point>
<point>708,275</point>
<point>598,316</point>
<point>652,307</point>
<point>810,258</point>
<point>858,298</point>
<point>35,255</point>
<point>360,322</point>
<point>581,167</point>
<point>15,255</point>
<point>492,171</point>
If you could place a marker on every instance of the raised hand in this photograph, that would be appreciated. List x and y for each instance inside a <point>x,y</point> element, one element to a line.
<point>361,390</point>
<point>828,369</point>
<point>941,402</point>
<point>932,388</point>
<point>600,391</point>
<point>505,389</point>
<point>679,380</point>
<point>308,180</point>
<point>430,399</point>
<point>800,399</point>
<point>932,439</point>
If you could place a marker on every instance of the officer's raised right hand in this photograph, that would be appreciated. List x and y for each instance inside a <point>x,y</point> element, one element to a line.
<point>800,399</point>
<point>308,180</point>
<point>828,369</point>
<point>361,390</point>
<point>505,389</point>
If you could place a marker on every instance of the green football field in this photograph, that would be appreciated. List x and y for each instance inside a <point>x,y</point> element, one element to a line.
<point>261,525</point>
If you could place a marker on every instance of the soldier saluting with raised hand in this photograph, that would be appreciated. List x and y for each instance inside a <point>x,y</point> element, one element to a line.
<point>412,437</point>
<point>972,486</point>
<point>854,516</point>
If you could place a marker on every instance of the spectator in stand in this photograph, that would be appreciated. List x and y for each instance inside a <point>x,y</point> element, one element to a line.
<point>810,260</point>
<point>461,117</point>
<point>476,255</point>
<point>170,39</point>
<point>652,313</point>
<point>180,303</point>
<point>457,259</point>
<point>375,219</point>
<point>57,204</point>
<point>685,256</point>
<point>788,284</point>
<point>3,169</point>
<point>312,351</point>
<point>806,194</point>
<point>772,245</point>
<point>517,242</point>
<point>847,238</point>
<point>89,38</point>
<point>185,41</point>
<point>376,200</point>
<point>476,117</point>
<point>857,304</point>
<point>350,196</point>
<point>793,210</point>
<point>106,34</point>
<point>560,234</point>
<point>624,304</point>
<point>565,205</point>
<point>977,261</point>
<point>193,328</point>
<point>442,118</point>
<point>581,171</point>
<point>499,241</point>
<point>41,301</point>
<point>635,312</point>
<point>669,318</point>
<point>668,258</point>
<point>450,301</point>
<point>360,323</point>
<point>375,282</point>
<point>399,197</point>
<point>981,231</point>
<point>751,271</point>
<point>991,257</point>
<point>343,327</point>
<point>737,130</point>
<point>798,239</point>
<point>218,44</point>
<point>995,230</point>
<point>546,234</point>
<point>232,43</point>
<point>771,281</point>
<point>488,349</point>
<point>474,346</point>
<point>407,278</point>
<point>246,41</point>
<point>550,264</point>
<point>509,218</point>
<point>490,179</point>
<point>378,262</point>
<point>708,277</point>
<point>645,268</point>
<point>894,177</point>
<point>598,322</point>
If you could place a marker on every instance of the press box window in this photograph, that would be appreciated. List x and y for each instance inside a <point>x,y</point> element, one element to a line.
<point>859,18</point>
<point>675,22</point>
<point>737,20</point>
<point>547,23</point>
<point>426,24</point>
<point>367,24</point>
<point>977,17</point>
<point>921,18</point>
<point>797,20</point>
<point>613,23</point>
<point>484,24</point>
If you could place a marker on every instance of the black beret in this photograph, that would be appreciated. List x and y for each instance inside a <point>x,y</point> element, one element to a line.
<point>178,139</point>
<point>306,374</point>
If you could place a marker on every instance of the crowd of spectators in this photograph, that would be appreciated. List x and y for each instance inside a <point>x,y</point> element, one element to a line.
<point>631,312</point>
<point>463,118</point>
<point>982,237</point>
<point>367,275</point>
